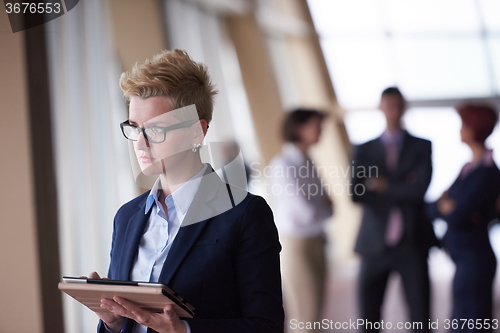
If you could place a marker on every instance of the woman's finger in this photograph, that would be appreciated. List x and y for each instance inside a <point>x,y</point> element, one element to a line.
<point>169,311</point>
<point>126,303</point>
<point>115,307</point>
<point>134,311</point>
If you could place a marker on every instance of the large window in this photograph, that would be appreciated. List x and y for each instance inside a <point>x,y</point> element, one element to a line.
<point>431,49</point>
<point>438,52</point>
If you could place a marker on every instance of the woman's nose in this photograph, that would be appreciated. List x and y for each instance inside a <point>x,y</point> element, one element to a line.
<point>142,143</point>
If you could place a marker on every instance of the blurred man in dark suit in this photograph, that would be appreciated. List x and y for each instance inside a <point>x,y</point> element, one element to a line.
<point>391,176</point>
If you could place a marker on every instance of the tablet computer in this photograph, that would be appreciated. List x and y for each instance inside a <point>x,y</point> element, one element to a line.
<point>148,295</point>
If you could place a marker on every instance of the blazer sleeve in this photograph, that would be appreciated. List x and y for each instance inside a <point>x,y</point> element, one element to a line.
<point>359,175</point>
<point>257,266</point>
<point>482,193</point>
<point>101,327</point>
<point>432,211</point>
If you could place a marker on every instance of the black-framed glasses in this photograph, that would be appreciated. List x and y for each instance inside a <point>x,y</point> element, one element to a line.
<point>154,134</point>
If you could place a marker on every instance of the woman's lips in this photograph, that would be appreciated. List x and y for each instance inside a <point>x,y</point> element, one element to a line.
<point>146,159</point>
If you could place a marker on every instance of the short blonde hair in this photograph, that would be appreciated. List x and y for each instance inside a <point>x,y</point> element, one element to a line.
<point>175,75</point>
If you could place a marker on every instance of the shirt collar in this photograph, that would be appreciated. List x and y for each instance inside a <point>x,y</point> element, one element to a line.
<point>396,136</point>
<point>182,197</point>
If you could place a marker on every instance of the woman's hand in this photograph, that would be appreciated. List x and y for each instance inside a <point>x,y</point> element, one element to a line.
<point>166,322</point>
<point>445,204</point>
<point>112,321</point>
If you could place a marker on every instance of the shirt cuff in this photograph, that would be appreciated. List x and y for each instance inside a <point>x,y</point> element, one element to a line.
<point>188,329</point>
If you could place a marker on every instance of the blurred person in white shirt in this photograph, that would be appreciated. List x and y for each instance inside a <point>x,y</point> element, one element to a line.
<point>301,206</point>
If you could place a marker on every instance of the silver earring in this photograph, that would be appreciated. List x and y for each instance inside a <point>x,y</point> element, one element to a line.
<point>196,146</point>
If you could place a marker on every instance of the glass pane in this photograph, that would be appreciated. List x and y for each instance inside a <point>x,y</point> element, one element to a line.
<point>280,58</point>
<point>360,70</point>
<point>362,126</point>
<point>433,15</point>
<point>490,12</point>
<point>340,15</point>
<point>442,127</point>
<point>443,68</point>
<point>494,48</point>
<point>493,142</point>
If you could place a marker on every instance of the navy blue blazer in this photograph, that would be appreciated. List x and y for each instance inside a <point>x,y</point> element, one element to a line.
<point>467,241</point>
<point>227,266</point>
<point>475,196</point>
<point>406,186</point>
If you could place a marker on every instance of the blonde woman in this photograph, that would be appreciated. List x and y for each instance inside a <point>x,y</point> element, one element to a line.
<point>213,243</point>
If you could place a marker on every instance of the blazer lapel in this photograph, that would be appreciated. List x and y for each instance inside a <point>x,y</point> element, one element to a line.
<point>183,242</point>
<point>200,212</point>
<point>404,150</point>
<point>380,153</point>
<point>133,235</point>
<point>379,156</point>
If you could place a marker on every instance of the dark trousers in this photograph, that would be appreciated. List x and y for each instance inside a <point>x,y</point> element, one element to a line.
<point>411,264</point>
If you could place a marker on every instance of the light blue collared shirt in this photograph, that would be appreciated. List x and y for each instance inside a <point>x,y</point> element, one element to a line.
<point>160,232</point>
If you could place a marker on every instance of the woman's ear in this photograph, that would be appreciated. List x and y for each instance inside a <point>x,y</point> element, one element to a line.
<point>204,126</point>
<point>200,130</point>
